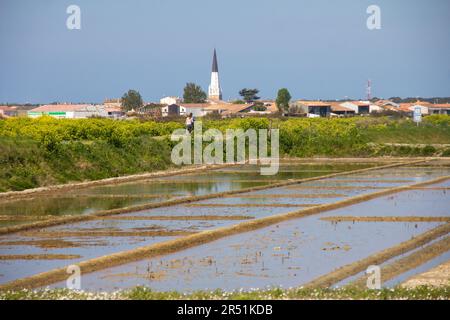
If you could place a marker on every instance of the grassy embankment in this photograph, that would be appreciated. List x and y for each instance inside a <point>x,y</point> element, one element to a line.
<point>142,293</point>
<point>45,151</point>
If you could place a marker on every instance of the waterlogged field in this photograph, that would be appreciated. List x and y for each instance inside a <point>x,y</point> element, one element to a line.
<point>286,253</point>
<point>93,199</point>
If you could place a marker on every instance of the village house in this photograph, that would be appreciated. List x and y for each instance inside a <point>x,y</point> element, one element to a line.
<point>442,108</point>
<point>172,110</point>
<point>338,109</point>
<point>183,109</point>
<point>112,112</point>
<point>410,107</point>
<point>387,105</point>
<point>202,109</point>
<point>116,102</point>
<point>360,107</point>
<point>76,111</point>
<point>231,109</point>
<point>8,111</point>
<point>170,100</point>
<point>311,109</point>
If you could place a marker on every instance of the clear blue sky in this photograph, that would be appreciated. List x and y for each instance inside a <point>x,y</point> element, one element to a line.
<point>316,48</point>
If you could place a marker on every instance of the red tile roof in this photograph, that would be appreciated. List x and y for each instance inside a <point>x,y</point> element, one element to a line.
<point>195,105</point>
<point>314,103</point>
<point>440,106</point>
<point>59,107</point>
<point>7,108</point>
<point>336,106</point>
<point>229,108</point>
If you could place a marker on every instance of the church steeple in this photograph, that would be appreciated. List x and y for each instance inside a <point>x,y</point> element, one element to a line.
<point>215,68</point>
<point>214,90</point>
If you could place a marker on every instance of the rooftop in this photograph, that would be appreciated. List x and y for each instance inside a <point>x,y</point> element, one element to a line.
<point>60,107</point>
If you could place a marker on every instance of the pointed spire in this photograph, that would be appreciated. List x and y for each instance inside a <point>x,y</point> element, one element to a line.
<point>215,68</point>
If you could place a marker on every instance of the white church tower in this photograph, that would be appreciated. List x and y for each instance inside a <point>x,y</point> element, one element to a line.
<point>214,90</point>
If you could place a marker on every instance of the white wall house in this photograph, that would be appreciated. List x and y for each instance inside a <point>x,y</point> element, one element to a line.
<point>423,109</point>
<point>74,111</point>
<point>197,109</point>
<point>360,107</point>
<point>170,100</point>
<point>375,108</point>
<point>173,110</point>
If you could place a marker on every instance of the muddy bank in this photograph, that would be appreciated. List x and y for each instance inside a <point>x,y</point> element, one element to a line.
<point>290,195</point>
<point>47,244</point>
<point>334,188</point>
<point>201,218</point>
<point>377,181</point>
<point>107,233</point>
<point>249,205</point>
<point>40,257</point>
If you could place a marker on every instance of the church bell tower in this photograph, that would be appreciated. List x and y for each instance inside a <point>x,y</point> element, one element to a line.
<point>214,90</point>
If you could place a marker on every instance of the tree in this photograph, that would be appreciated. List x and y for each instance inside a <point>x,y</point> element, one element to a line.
<point>131,100</point>
<point>283,99</point>
<point>259,106</point>
<point>395,99</point>
<point>249,95</point>
<point>193,93</point>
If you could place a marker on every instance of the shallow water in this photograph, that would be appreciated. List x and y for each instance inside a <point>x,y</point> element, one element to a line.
<point>92,244</point>
<point>404,276</point>
<point>285,255</point>
<point>92,199</point>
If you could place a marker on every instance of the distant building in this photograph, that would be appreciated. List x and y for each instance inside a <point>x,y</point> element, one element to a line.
<point>338,109</point>
<point>173,110</point>
<point>443,108</point>
<point>197,109</point>
<point>7,111</point>
<point>214,90</point>
<point>203,109</point>
<point>387,105</point>
<point>112,112</point>
<point>360,107</point>
<point>230,109</point>
<point>410,107</point>
<point>170,100</point>
<point>76,111</point>
<point>183,109</point>
<point>312,109</point>
<point>373,108</point>
<point>112,103</point>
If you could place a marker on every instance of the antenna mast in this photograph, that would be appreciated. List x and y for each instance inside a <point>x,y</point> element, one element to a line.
<point>369,89</point>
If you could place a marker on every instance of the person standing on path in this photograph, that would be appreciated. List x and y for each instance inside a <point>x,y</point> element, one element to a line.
<point>189,123</point>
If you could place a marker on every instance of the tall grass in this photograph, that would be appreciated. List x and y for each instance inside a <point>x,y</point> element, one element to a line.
<point>43,151</point>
